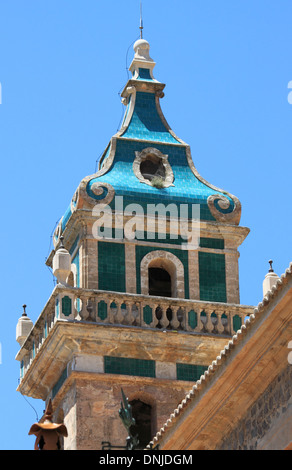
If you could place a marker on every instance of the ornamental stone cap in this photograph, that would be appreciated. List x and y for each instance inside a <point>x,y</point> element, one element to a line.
<point>141,48</point>
<point>270,280</point>
<point>142,59</point>
<point>23,327</point>
<point>62,263</point>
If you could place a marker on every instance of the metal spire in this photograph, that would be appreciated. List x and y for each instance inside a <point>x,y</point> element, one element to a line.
<point>141,21</point>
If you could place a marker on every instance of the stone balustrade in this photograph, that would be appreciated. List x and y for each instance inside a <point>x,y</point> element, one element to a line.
<point>131,310</point>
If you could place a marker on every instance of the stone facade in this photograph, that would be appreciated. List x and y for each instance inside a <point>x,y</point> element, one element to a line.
<point>267,422</point>
<point>91,407</point>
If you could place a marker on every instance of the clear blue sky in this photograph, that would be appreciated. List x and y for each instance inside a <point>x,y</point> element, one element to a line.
<point>226,66</point>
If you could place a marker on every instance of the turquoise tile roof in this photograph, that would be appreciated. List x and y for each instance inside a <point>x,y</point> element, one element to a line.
<point>187,188</point>
<point>144,126</point>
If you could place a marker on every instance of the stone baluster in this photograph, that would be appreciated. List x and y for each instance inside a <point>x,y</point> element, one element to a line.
<point>174,322</point>
<point>158,314</point>
<point>41,338</point>
<point>229,327</point>
<point>127,313</point>
<point>142,306</point>
<point>52,317</point>
<point>119,316</point>
<point>108,311</point>
<point>182,318</point>
<point>46,326</point>
<point>91,308</point>
<point>136,314</point>
<point>164,322</point>
<point>170,315</point>
<point>209,325</point>
<point>77,308</point>
<point>112,311</point>
<point>25,365</point>
<point>155,320</point>
<point>36,343</point>
<point>49,321</point>
<point>200,325</point>
<point>220,326</point>
<point>83,312</point>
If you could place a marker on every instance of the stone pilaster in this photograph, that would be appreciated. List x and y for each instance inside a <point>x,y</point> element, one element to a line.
<point>194,282</point>
<point>232,277</point>
<point>130,263</point>
<point>88,258</point>
<point>92,264</point>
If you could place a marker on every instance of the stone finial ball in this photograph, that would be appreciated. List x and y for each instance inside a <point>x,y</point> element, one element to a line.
<point>141,44</point>
<point>141,48</point>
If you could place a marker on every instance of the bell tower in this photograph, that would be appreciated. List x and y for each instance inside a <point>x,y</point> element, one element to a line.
<point>147,293</point>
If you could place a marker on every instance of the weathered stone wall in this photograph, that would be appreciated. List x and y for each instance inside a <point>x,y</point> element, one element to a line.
<point>268,422</point>
<point>91,407</point>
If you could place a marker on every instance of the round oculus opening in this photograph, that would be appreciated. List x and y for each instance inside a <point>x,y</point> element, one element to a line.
<point>152,167</point>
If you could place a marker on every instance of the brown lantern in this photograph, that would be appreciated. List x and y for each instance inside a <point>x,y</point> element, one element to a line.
<point>48,433</point>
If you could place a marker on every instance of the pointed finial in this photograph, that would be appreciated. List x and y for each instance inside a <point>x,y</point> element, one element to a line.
<point>61,241</point>
<point>141,21</point>
<point>49,411</point>
<point>24,312</point>
<point>271,266</point>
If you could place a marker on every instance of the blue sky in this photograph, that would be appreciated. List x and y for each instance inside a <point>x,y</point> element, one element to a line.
<point>226,66</point>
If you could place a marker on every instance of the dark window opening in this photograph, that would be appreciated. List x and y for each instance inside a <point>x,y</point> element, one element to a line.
<point>152,167</point>
<point>159,282</point>
<point>142,414</point>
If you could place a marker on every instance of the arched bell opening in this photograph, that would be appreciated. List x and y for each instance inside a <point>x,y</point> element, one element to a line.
<point>159,282</point>
<point>162,274</point>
